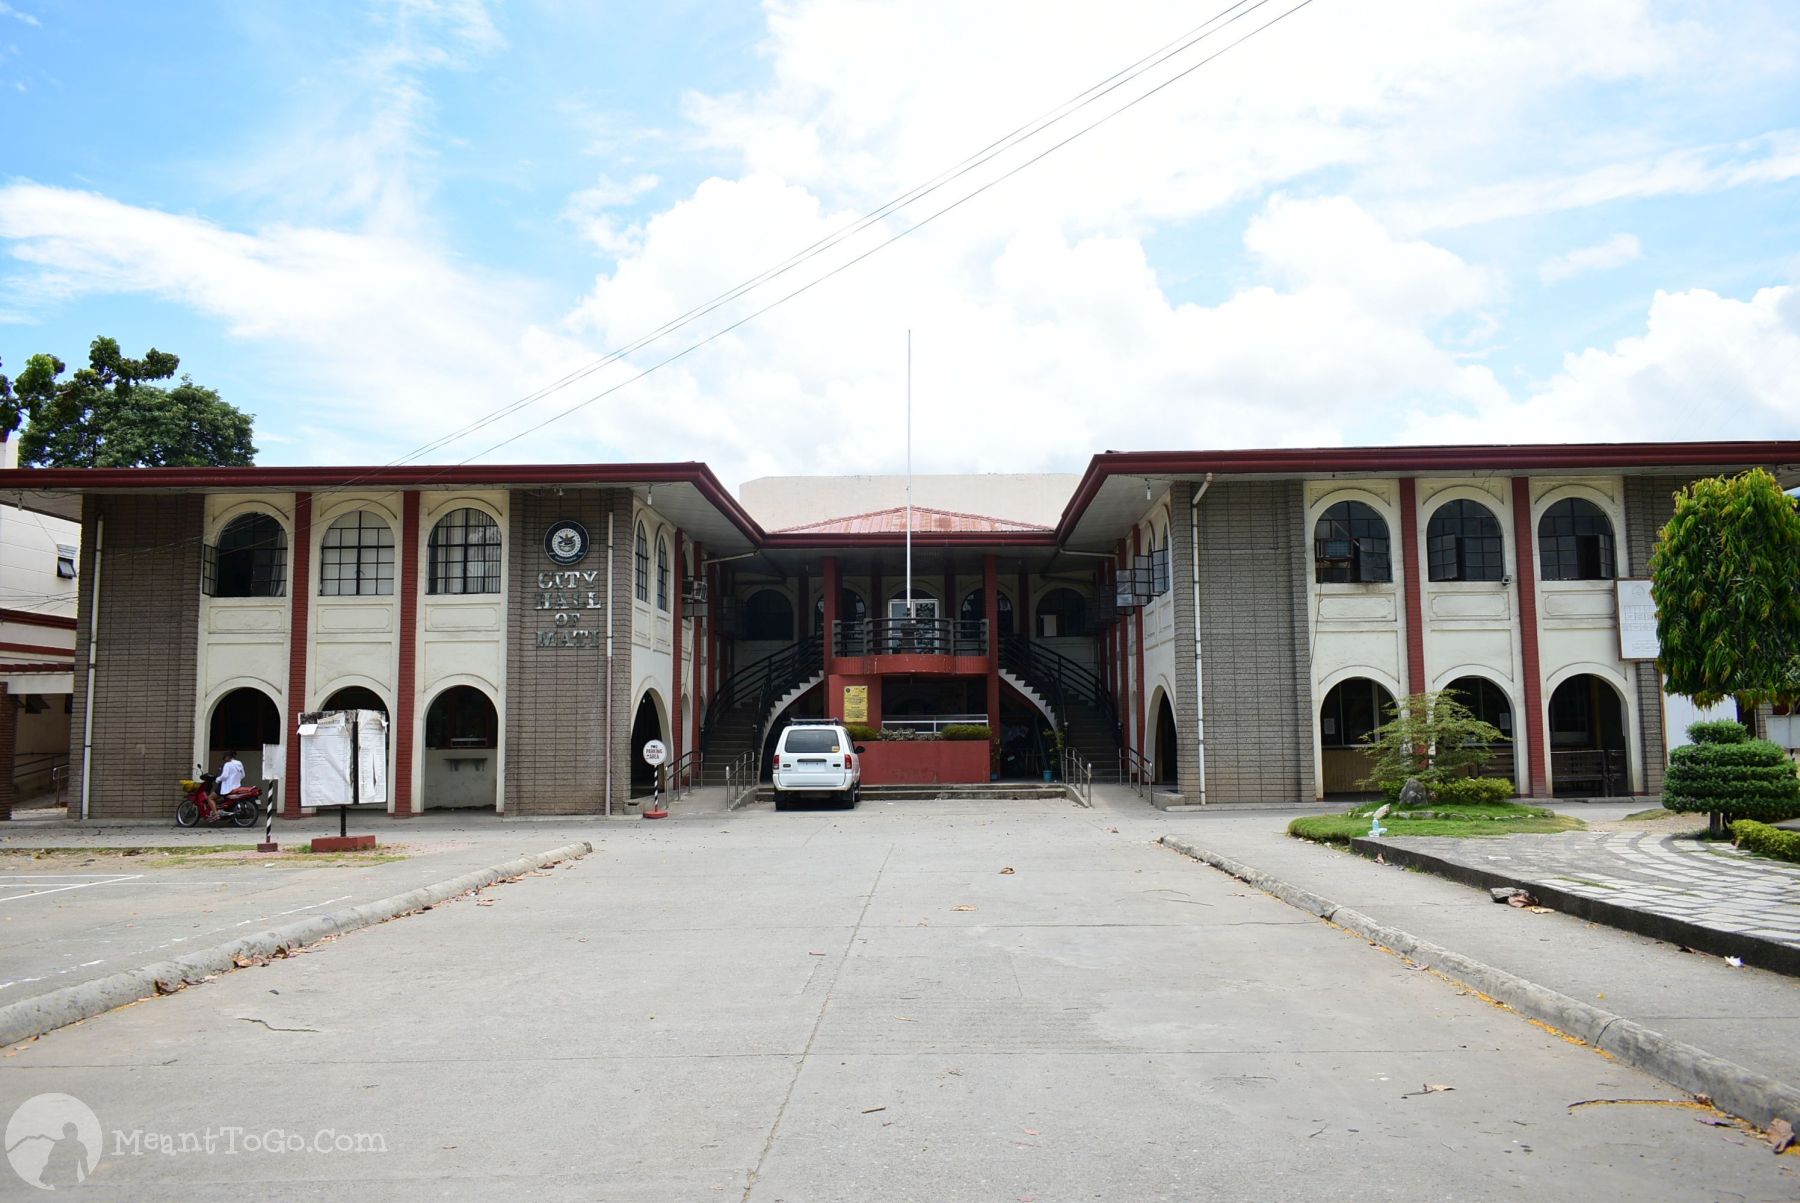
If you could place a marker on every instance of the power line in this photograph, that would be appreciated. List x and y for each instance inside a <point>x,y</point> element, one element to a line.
<point>885,243</point>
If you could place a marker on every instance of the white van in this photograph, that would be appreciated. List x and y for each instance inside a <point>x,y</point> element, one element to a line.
<point>814,757</point>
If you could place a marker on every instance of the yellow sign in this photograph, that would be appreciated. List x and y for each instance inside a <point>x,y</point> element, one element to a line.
<point>856,703</point>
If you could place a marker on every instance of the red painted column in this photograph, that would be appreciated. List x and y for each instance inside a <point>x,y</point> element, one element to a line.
<point>877,607</point>
<point>951,609</point>
<point>700,626</point>
<point>1137,702</point>
<point>1525,572</point>
<point>299,623</point>
<point>990,583</point>
<point>1413,586</point>
<point>406,688</point>
<point>832,589</point>
<point>675,681</point>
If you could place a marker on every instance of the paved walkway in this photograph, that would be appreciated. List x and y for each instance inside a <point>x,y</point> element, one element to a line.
<point>920,1001</point>
<point>1705,882</point>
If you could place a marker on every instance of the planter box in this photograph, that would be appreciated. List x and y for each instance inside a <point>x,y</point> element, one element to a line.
<point>926,762</point>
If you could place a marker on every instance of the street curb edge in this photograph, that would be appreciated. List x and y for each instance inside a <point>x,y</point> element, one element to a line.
<point>32,1017</point>
<point>1741,1092</point>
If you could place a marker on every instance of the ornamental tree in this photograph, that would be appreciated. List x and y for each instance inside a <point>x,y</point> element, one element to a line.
<point>1726,580</point>
<point>110,415</point>
<point>1433,737</point>
<point>1731,776</point>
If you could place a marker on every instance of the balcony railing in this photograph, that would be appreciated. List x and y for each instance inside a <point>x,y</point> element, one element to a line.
<point>910,637</point>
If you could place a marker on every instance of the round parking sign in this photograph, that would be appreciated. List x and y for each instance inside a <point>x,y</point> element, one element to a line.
<point>655,753</point>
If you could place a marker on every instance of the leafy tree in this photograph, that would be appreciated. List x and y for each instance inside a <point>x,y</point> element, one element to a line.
<point>1731,776</point>
<point>1433,737</point>
<point>1726,580</point>
<point>109,415</point>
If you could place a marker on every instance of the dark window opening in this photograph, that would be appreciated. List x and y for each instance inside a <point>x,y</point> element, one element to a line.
<point>251,558</point>
<point>462,717</point>
<point>768,615</point>
<point>1575,542</point>
<point>974,609</point>
<point>1463,543</point>
<point>1061,613</point>
<point>465,553</point>
<point>1352,710</point>
<point>1350,544</point>
<point>851,608</point>
<point>640,565</point>
<point>662,574</point>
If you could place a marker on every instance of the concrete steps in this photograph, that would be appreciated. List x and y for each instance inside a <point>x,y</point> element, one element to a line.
<point>998,791</point>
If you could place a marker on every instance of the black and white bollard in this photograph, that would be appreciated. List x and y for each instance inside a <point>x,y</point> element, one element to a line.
<point>269,844</point>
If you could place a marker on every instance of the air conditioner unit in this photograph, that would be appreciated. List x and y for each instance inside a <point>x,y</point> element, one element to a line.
<point>1334,551</point>
<point>693,591</point>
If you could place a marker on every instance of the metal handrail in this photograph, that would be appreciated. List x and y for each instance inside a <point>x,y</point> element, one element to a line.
<point>762,680</point>
<point>1137,770</point>
<point>742,775</point>
<point>910,637</point>
<point>1040,667</point>
<point>935,723</point>
<point>684,771</point>
<point>1078,774</point>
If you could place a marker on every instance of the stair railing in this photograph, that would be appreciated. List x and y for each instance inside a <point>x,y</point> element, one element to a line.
<point>1055,674</point>
<point>1078,774</point>
<point>1137,770</point>
<point>763,680</point>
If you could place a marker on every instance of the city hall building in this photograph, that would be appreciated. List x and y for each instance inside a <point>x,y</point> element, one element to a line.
<point>1223,626</point>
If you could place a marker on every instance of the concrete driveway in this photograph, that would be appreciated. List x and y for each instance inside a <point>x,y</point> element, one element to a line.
<point>864,1006</point>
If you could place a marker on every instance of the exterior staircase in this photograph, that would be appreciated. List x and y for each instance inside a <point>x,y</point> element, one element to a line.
<point>1080,705</point>
<point>738,716</point>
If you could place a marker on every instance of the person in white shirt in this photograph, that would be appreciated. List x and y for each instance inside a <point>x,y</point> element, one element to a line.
<point>231,774</point>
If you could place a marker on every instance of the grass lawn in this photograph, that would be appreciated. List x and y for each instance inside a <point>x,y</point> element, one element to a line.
<point>181,856</point>
<point>1497,818</point>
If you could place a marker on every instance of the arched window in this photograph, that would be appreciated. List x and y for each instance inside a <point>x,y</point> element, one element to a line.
<point>768,615</point>
<point>1350,543</point>
<point>1159,563</point>
<point>464,553</point>
<point>974,609</point>
<point>1575,542</point>
<point>462,717</point>
<point>1485,700</point>
<point>357,557</point>
<point>1463,543</point>
<point>1061,613</point>
<point>850,608</point>
<point>641,564</point>
<point>250,560</point>
<point>1352,710</point>
<point>662,573</point>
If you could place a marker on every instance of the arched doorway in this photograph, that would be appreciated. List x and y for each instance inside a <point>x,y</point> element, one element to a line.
<point>356,697</point>
<point>1587,740</point>
<point>1489,703</point>
<point>244,721</point>
<point>1167,757</point>
<point>462,746</point>
<point>1352,710</point>
<point>646,726</point>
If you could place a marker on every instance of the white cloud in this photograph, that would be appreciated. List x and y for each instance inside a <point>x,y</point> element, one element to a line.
<point>1616,251</point>
<point>1706,366</point>
<point>7,10</point>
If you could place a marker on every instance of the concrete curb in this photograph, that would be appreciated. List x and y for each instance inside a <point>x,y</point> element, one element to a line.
<point>1742,1092</point>
<point>34,1016</point>
<point>1751,949</point>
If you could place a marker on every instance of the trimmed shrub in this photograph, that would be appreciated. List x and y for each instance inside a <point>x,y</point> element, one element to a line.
<point>1726,773</point>
<point>1765,840</point>
<point>1474,791</point>
<point>862,733</point>
<point>966,731</point>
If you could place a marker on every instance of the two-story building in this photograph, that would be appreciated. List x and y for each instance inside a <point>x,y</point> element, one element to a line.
<point>1225,624</point>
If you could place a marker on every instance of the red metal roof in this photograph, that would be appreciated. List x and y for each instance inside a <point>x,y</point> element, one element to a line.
<point>924,519</point>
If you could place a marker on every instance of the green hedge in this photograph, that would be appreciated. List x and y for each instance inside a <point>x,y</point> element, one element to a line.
<point>966,731</point>
<point>1481,791</point>
<point>1753,779</point>
<point>862,733</point>
<point>1765,840</point>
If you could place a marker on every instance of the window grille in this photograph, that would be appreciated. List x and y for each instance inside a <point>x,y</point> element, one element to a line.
<point>1575,542</point>
<point>1463,543</point>
<point>465,553</point>
<point>1350,543</point>
<point>250,559</point>
<point>641,564</point>
<point>356,558</point>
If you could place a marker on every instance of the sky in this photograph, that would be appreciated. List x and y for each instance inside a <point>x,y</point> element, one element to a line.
<point>521,231</point>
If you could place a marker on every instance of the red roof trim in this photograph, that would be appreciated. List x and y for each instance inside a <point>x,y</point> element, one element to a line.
<point>30,619</point>
<point>89,480</point>
<point>1414,461</point>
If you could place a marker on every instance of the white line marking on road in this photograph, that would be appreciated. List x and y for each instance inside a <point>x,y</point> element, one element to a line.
<point>59,889</point>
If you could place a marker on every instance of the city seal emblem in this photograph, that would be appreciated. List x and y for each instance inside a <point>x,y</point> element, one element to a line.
<point>566,542</point>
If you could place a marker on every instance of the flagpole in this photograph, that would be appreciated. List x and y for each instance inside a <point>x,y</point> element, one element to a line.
<point>909,516</point>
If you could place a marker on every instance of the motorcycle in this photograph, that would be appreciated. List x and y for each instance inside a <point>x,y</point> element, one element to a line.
<point>202,803</point>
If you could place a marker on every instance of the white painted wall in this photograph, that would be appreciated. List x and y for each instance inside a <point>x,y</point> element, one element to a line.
<point>461,641</point>
<point>28,579</point>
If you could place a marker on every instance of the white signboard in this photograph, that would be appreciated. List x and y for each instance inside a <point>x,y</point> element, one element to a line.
<point>327,760</point>
<point>1637,621</point>
<point>655,753</point>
